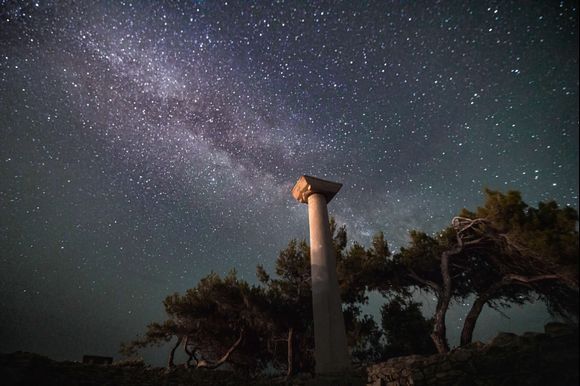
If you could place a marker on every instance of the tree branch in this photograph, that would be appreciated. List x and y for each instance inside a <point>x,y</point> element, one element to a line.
<point>171,363</point>
<point>528,280</point>
<point>214,365</point>
<point>462,224</point>
<point>426,282</point>
<point>190,352</point>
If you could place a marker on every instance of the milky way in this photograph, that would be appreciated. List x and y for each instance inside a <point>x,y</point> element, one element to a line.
<point>146,144</point>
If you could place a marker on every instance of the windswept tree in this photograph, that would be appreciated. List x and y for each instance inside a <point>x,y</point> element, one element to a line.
<point>219,321</point>
<point>506,252</point>
<point>527,251</point>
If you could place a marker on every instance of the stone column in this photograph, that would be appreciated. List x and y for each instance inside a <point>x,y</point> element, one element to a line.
<point>330,347</point>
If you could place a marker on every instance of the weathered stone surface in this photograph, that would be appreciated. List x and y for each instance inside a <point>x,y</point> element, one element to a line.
<point>531,359</point>
<point>308,185</point>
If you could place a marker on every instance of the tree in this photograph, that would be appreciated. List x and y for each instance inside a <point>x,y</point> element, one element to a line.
<point>291,301</point>
<point>405,328</point>
<point>529,250</point>
<point>503,253</point>
<point>292,287</point>
<point>425,264</point>
<point>219,321</point>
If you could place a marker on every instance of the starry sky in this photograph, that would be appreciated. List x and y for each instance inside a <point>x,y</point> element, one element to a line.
<point>144,144</point>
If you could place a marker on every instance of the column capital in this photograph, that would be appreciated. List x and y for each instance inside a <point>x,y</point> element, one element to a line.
<point>308,185</point>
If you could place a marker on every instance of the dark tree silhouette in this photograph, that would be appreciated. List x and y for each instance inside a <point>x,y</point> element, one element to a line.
<point>506,252</point>
<point>219,321</point>
<point>405,328</point>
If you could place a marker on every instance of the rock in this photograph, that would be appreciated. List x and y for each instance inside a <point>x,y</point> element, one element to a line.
<point>460,355</point>
<point>474,346</point>
<point>504,339</point>
<point>417,375</point>
<point>531,359</point>
<point>555,329</point>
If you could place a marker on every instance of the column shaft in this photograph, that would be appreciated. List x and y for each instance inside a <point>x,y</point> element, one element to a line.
<point>331,351</point>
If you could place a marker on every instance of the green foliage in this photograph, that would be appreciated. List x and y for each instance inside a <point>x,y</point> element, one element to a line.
<point>547,233</point>
<point>505,212</point>
<point>361,270</point>
<point>363,335</point>
<point>291,287</point>
<point>380,247</point>
<point>422,256</point>
<point>212,315</point>
<point>515,239</point>
<point>290,303</point>
<point>504,253</point>
<point>533,242</point>
<point>405,329</point>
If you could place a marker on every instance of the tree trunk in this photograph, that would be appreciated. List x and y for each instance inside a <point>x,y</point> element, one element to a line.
<point>171,363</point>
<point>214,365</point>
<point>290,370</point>
<point>190,353</point>
<point>477,307</point>
<point>471,318</point>
<point>439,333</point>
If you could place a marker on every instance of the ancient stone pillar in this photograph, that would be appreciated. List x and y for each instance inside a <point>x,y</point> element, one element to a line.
<point>331,351</point>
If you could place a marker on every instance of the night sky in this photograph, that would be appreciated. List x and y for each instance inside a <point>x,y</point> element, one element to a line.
<point>145,144</point>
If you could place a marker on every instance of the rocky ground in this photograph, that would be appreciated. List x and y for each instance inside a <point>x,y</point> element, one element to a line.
<point>22,368</point>
<point>550,358</point>
<point>538,359</point>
